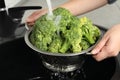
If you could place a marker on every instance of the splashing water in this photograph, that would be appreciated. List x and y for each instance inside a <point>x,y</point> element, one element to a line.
<point>57,21</point>
<point>50,13</point>
<point>50,16</point>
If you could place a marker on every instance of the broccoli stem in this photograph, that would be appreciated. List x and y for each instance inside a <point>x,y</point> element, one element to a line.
<point>65,47</point>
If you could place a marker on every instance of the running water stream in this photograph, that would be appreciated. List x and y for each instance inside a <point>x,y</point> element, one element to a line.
<point>51,16</point>
<point>50,13</point>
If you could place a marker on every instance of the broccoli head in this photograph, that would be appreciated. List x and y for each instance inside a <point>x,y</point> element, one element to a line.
<point>90,31</point>
<point>75,34</point>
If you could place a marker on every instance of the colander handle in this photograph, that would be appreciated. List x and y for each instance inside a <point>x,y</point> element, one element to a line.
<point>89,53</point>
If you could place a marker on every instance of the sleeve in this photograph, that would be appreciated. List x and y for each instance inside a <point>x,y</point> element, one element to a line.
<point>111,1</point>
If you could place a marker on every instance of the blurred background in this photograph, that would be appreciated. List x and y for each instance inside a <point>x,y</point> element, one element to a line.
<point>106,16</point>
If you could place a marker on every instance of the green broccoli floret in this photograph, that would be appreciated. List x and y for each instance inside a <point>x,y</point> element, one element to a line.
<point>74,35</point>
<point>85,44</point>
<point>44,30</point>
<point>55,45</point>
<point>90,32</point>
<point>65,18</point>
<point>42,33</point>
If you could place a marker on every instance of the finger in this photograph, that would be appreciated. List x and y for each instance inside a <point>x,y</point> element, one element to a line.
<point>103,54</point>
<point>30,24</point>
<point>100,45</point>
<point>31,18</point>
<point>107,51</point>
<point>34,16</point>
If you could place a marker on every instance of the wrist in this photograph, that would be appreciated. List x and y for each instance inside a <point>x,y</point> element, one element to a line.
<point>111,1</point>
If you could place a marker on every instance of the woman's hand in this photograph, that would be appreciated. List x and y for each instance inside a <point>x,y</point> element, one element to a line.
<point>34,16</point>
<point>109,46</point>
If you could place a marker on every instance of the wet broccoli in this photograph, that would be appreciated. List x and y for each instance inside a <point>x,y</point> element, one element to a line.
<point>90,31</point>
<point>72,36</point>
<point>75,34</point>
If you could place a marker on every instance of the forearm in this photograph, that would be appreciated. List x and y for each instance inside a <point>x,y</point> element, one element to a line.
<point>77,7</point>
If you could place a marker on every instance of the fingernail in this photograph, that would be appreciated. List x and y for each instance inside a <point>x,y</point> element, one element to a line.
<point>94,51</point>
